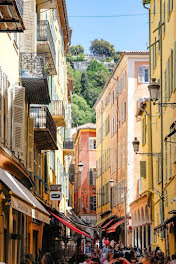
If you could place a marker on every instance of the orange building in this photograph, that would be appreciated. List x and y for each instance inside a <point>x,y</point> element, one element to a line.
<point>85,181</point>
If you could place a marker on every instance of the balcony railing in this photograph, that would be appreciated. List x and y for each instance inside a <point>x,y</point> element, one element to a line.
<point>68,144</point>
<point>45,134</point>
<point>46,45</point>
<point>34,77</point>
<point>11,16</point>
<point>58,112</point>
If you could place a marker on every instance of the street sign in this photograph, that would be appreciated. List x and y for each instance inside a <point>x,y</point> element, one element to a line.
<point>55,196</point>
<point>56,187</point>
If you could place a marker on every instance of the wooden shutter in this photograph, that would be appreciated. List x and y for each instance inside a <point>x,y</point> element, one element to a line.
<point>140,185</point>
<point>23,155</point>
<point>1,109</point>
<point>18,118</point>
<point>143,169</point>
<point>7,101</point>
<point>141,74</point>
<point>28,38</point>
<point>30,156</point>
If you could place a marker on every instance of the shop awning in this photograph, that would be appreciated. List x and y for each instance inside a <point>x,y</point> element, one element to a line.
<point>113,227</point>
<point>107,224</point>
<point>22,199</point>
<point>101,222</point>
<point>69,225</point>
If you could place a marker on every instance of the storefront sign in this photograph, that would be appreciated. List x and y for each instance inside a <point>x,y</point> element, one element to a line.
<point>56,187</point>
<point>55,196</point>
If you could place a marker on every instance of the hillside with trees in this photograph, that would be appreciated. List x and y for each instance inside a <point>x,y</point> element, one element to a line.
<point>89,83</point>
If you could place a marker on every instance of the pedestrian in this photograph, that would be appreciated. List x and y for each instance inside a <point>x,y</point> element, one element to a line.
<point>88,259</point>
<point>112,243</point>
<point>146,260</point>
<point>103,241</point>
<point>47,258</point>
<point>107,242</point>
<point>173,259</point>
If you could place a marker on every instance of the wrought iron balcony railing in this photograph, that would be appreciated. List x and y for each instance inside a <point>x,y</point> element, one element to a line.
<point>44,34</point>
<point>45,134</point>
<point>68,144</point>
<point>11,16</point>
<point>34,77</point>
<point>32,65</point>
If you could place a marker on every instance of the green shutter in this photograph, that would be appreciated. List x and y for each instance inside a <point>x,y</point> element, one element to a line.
<point>143,169</point>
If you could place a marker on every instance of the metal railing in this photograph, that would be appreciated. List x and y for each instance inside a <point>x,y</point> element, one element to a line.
<point>68,144</point>
<point>44,34</point>
<point>19,4</point>
<point>43,119</point>
<point>32,65</point>
<point>58,107</point>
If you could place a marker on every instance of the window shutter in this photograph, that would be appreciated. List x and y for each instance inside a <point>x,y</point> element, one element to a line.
<point>90,143</point>
<point>117,88</point>
<point>141,74</point>
<point>30,156</point>
<point>18,118</point>
<point>90,176</point>
<point>165,86</point>
<point>143,169</point>
<point>7,100</point>
<point>140,185</point>
<point>28,38</point>
<point>1,109</point>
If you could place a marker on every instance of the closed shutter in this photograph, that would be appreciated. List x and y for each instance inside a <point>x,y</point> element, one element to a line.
<point>23,155</point>
<point>165,86</point>
<point>172,70</point>
<point>28,38</point>
<point>90,176</point>
<point>90,143</point>
<point>143,169</point>
<point>141,74</point>
<point>18,118</point>
<point>140,185</point>
<point>1,109</point>
<point>30,156</point>
<point>174,66</point>
<point>7,100</point>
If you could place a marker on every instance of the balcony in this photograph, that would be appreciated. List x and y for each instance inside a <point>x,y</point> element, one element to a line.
<point>11,19</point>
<point>45,131</point>
<point>52,4</point>
<point>58,112</point>
<point>34,78</point>
<point>68,147</point>
<point>45,45</point>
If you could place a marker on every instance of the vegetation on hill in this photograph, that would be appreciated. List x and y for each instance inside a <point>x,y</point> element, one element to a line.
<point>89,84</point>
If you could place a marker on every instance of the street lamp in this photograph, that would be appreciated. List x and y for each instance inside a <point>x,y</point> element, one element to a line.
<point>80,166</point>
<point>136,144</point>
<point>154,90</point>
<point>136,149</point>
<point>111,183</point>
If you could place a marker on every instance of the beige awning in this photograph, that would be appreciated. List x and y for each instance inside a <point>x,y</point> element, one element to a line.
<point>22,199</point>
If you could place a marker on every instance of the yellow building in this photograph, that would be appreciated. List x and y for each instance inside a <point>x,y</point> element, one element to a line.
<point>34,109</point>
<point>162,21</point>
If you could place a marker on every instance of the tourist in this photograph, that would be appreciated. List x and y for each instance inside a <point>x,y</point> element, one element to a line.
<point>103,241</point>
<point>173,259</point>
<point>47,258</point>
<point>107,242</point>
<point>112,243</point>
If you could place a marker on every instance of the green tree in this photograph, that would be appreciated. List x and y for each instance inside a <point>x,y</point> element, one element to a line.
<point>81,111</point>
<point>76,50</point>
<point>102,47</point>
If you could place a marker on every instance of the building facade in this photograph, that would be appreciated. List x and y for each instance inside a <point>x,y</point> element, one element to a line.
<point>34,109</point>
<point>162,53</point>
<point>85,181</point>
<point>120,100</point>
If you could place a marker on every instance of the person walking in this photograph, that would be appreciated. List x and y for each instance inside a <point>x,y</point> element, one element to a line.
<point>47,258</point>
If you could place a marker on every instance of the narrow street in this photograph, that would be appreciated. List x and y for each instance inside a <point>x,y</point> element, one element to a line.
<point>87,132</point>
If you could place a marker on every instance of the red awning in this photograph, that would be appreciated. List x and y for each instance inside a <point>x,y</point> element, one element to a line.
<point>108,223</point>
<point>113,227</point>
<point>103,222</point>
<point>69,225</point>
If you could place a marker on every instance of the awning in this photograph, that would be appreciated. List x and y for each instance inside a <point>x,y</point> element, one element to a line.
<point>113,227</point>
<point>107,224</point>
<point>69,225</point>
<point>22,199</point>
<point>101,222</point>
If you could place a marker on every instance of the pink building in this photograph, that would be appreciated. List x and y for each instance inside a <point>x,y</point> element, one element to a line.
<point>85,182</point>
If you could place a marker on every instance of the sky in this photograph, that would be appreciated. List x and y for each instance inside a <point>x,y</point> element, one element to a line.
<point>127,31</point>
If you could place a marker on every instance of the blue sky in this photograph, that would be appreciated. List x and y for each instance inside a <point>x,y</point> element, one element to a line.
<point>125,32</point>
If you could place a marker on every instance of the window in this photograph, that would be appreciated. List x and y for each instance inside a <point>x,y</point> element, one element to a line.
<point>92,143</point>
<point>92,176</point>
<point>168,10</point>
<point>119,117</point>
<point>124,112</point>
<point>144,130</point>
<point>172,71</point>
<point>119,156</point>
<point>143,74</point>
<point>154,7</point>
<point>166,163</point>
<point>170,158</point>
<point>139,101</point>
<point>158,169</point>
<point>123,152</point>
<point>143,169</point>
